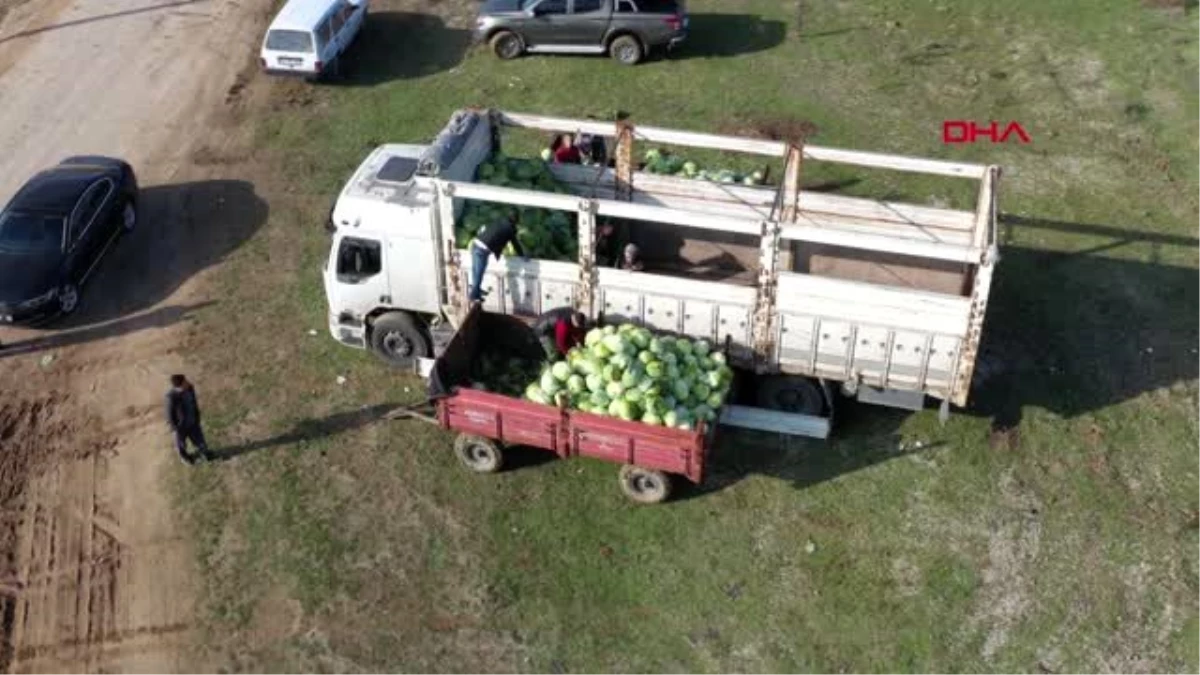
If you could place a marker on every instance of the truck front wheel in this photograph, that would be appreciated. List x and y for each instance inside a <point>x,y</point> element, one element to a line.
<point>645,486</point>
<point>478,454</point>
<point>397,339</point>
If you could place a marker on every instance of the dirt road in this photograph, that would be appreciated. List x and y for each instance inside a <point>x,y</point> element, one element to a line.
<point>96,577</point>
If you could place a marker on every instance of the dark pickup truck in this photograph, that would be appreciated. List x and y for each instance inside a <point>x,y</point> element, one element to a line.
<point>626,30</point>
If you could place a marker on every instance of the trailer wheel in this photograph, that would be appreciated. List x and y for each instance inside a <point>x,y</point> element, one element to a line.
<point>792,394</point>
<point>479,454</point>
<point>398,340</point>
<point>645,486</point>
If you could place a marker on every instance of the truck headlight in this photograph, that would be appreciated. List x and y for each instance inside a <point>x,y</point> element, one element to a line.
<point>39,300</point>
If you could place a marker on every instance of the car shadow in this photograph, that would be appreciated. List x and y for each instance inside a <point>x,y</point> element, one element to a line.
<point>182,230</point>
<point>398,46</point>
<point>723,35</point>
<point>160,317</point>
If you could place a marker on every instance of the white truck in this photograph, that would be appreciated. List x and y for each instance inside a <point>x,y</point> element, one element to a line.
<point>885,300</point>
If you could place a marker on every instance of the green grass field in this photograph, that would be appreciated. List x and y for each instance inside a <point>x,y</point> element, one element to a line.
<point>1051,527</point>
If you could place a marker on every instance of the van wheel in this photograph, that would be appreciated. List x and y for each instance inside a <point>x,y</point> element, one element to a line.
<point>626,50</point>
<point>644,486</point>
<point>397,339</point>
<point>507,45</point>
<point>478,454</point>
<point>791,394</point>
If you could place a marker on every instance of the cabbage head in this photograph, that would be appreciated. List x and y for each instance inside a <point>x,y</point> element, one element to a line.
<point>576,384</point>
<point>594,382</point>
<point>561,371</point>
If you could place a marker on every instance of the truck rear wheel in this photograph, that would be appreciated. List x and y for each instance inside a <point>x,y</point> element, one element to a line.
<point>479,454</point>
<point>397,339</point>
<point>626,50</point>
<point>792,394</point>
<point>644,486</point>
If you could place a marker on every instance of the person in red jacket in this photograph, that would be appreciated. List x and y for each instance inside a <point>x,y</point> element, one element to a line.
<point>567,152</point>
<point>559,330</point>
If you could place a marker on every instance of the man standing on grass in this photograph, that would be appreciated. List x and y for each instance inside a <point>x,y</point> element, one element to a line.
<point>183,415</point>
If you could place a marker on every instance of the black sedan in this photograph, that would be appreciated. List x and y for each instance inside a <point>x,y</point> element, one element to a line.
<point>56,229</point>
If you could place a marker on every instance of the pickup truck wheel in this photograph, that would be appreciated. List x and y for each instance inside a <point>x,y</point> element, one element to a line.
<point>478,454</point>
<point>397,339</point>
<point>507,45</point>
<point>644,486</point>
<point>792,394</point>
<point>626,50</point>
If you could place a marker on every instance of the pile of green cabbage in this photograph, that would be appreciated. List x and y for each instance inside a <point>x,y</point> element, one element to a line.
<point>545,234</point>
<point>628,372</point>
<point>502,374</point>
<point>663,162</point>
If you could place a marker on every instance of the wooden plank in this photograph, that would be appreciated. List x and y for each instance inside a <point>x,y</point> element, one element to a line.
<point>503,195</point>
<point>888,243</point>
<point>711,141</point>
<point>759,419</point>
<point>659,285</point>
<point>760,196</point>
<point>911,232</point>
<point>678,217</point>
<point>895,162</point>
<point>559,124</point>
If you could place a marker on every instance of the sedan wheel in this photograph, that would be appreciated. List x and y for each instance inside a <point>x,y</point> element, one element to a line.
<point>68,298</point>
<point>129,217</point>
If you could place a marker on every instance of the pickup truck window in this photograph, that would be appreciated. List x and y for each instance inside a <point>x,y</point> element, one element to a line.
<point>587,6</point>
<point>551,7</point>
<point>358,259</point>
<point>626,7</point>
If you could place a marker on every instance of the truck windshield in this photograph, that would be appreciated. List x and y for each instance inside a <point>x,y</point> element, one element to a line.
<point>296,41</point>
<point>31,232</point>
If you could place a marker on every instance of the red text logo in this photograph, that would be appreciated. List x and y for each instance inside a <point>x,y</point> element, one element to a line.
<point>966,131</point>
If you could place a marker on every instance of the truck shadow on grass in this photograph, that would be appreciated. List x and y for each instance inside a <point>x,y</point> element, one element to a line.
<point>724,35</point>
<point>182,230</point>
<point>1075,332</point>
<point>399,46</point>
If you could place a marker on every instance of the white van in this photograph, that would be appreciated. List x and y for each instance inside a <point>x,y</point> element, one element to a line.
<point>308,36</point>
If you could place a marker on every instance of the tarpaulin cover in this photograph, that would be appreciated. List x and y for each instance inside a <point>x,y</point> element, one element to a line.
<point>480,332</point>
<point>449,142</point>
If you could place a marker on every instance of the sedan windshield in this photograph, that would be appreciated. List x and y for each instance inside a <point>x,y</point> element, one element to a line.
<point>31,232</point>
<point>296,41</point>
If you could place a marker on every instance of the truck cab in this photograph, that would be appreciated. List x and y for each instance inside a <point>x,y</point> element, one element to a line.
<point>381,257</point>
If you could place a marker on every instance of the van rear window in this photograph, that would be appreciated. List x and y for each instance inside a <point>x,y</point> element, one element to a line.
<point>290,41</point>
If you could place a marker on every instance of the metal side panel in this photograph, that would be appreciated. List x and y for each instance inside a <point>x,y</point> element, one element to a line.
<point>761,419</point>
<point>892,398</point>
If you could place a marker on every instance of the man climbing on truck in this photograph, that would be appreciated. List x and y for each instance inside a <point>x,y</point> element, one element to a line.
<point>492,240</point>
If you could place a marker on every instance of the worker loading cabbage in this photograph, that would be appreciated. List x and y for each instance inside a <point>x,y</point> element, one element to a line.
<point>629,373</point>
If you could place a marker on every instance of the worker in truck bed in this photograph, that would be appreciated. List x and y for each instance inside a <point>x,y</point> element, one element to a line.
<point>490,241</point>
<point>559,330</point>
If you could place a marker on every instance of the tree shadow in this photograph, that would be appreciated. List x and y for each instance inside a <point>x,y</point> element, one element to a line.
<point>723,35</point>
<point>311,429</point>
<point>156,318</point>
<point>92,19</point>
<point>182,230</point>
<point>401,45</point>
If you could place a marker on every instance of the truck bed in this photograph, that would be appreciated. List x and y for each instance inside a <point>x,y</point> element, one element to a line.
<point>566,433</point>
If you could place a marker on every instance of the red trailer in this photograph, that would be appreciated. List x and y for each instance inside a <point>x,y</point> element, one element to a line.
<point>488,422</point>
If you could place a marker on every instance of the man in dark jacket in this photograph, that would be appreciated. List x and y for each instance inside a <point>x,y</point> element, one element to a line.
<point>491,241</point>
<point>183,415</point>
